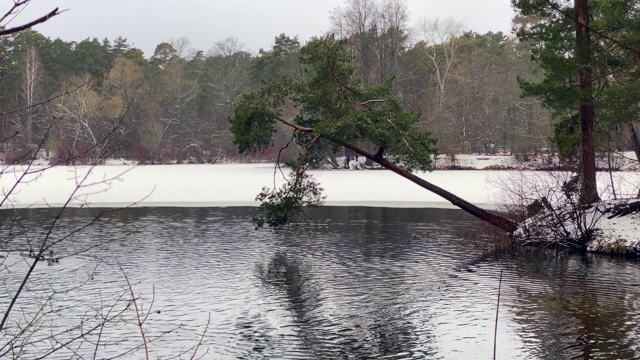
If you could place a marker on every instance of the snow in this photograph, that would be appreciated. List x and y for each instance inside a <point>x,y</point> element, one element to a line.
<point>617,233</point>
<point>238,184</point>
<point>612,234</point>
<point>228,185</point>
<point>625,161</point>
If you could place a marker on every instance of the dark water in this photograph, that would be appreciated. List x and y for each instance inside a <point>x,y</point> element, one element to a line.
<point>351,283</point>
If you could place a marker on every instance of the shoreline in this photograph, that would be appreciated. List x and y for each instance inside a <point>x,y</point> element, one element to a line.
<point>232,185</point>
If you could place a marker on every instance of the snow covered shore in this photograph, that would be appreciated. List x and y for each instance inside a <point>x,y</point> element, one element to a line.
<point>624,161</point>
<point>230,185</point>
<point>238,184</point>
<point>613,227</point>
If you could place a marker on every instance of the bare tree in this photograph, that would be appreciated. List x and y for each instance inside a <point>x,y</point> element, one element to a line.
<point>79,113</point>
<point>442,42</point>
<point>227,47</point>
<point>392,29</point>
<point>358,21</point>
<point>182,46</point>
<point>29,90</point>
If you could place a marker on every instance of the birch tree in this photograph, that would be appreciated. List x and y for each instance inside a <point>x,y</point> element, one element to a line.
<point>31,92</point>
<point>442,43</point>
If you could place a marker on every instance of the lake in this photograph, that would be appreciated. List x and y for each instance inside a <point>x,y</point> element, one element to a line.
<point>349,283</point>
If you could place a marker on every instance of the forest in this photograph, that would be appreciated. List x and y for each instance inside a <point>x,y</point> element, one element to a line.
<point>174,104</point>
<point>93,99</point>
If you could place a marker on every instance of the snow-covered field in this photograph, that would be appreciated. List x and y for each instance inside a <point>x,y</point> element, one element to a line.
<point>625,161</point>
<point>227,185</point>
<point>237,185</point>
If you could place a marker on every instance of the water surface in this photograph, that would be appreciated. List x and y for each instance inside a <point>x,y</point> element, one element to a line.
<point>351,282</point>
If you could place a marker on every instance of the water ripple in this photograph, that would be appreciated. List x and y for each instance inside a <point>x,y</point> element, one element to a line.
<point>351,283</point>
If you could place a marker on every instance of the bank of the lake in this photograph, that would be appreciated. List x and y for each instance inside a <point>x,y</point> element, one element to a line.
<point>237,185</point>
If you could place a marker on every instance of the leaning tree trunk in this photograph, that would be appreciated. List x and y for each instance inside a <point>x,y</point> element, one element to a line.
<point>588,185</point>
<point>496,220</point>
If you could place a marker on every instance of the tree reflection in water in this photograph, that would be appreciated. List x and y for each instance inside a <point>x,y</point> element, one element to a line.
<point>380,330</point>
<point>564,311</point>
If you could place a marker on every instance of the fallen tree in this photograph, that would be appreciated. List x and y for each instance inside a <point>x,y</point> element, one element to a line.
<point>332,109</point>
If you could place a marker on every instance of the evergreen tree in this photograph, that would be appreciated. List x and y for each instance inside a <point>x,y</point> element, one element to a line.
<point>332,108</point>
<point>584,50</point>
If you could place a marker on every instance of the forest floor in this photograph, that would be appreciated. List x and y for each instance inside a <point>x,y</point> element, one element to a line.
<point>623,161</point>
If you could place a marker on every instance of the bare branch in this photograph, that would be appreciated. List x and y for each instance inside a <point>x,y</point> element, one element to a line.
<point>138,317</point>
<point>30,24</point>
<point>201,338</point>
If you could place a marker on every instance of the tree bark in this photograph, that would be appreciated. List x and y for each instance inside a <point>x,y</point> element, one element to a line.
<point>588,185</point>
<point>633,136</point>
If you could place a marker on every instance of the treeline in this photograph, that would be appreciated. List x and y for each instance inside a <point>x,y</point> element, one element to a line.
<point>94,98</point>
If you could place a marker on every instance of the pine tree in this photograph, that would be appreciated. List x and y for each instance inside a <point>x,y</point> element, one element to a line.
<point>332,108</point>
<point>590,65</point>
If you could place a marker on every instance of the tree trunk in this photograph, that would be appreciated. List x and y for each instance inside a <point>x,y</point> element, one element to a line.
<point>636,144</point>
<point>496,220</point>
<point>633,136</point>
<point>588,185</point>
<point>331,159</point>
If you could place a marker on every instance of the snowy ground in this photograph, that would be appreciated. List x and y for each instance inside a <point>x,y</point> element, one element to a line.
<point>228,185</point>
<point>618,235</point>
<point>238,184</point>
<point>625,161</point>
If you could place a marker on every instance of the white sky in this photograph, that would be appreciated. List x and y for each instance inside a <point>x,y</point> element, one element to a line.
<point>146,23</point>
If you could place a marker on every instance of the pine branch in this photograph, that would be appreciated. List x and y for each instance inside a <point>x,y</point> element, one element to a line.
<point>600,34</point>
<point>294,125</point>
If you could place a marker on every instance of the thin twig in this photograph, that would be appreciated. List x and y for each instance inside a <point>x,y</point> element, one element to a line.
<point>201,338</point>
<point>31,23</point>
<point>39,254</point>
<point>278,167</point>
<point>135,305</point>
<point>495,331</point>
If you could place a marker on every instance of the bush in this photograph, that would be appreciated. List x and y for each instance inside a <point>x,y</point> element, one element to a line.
<point>547,205</point>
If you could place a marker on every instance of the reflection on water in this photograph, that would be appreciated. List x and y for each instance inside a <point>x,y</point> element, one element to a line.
<point>352,283</point>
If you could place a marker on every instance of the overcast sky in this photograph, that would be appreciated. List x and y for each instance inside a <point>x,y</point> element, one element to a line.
<point>146,23</point>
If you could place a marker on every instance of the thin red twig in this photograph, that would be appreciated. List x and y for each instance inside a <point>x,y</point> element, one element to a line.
<point>201,338</point>
<point>138,318</point>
